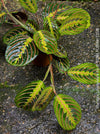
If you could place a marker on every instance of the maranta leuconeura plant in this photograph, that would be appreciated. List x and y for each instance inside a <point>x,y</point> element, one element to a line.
<point>25,42</point>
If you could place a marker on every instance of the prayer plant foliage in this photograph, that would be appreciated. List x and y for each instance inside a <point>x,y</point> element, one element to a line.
<point>26,41</point>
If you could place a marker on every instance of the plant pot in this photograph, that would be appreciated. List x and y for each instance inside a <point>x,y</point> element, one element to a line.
<point>43,60</point>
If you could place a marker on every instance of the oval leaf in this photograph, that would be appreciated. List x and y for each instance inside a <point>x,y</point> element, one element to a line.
<point>13,33</point>
<point>35,96</point>
<point>85,73</point>
<point>74,21</point>
<point>67,111</point>
<point>32,26</point>
<point>21,51</point>
<point>45,41</point>
<point>61,52</point>
<point>51,25</point>
<point>29,5</point>
<point>62,64</point>
<point>53,9</point>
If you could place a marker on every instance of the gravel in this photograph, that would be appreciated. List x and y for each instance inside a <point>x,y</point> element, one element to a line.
<point>80,48</point>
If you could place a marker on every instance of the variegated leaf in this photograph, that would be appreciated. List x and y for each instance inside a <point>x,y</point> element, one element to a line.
<point>67,111</point>
<point>53,9</point>
<point>74,21</point>
<point>34,96</point>
<point>3,17</point>
<point>45,41</point>
<point>29,5</point>
<point>87,73</point>
<point>32,26</point>
<point>61,52</point>
<point>62,64</point>
<point>51,25</point>
<point>21,51</point>
<point>14,33</point>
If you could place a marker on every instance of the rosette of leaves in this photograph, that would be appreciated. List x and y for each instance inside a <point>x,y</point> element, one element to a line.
<point>43,40</point>
<point>24,44</point>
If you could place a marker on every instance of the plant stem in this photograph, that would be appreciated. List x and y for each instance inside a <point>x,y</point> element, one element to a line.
<point>52,79</point>
<point>46,74</point>
<point>50,69</point>
<point>16,20</point>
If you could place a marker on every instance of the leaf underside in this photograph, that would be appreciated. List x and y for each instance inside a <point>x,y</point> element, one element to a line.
<point>67,111</point>
<point>34,97</point>
<point>87,73</point>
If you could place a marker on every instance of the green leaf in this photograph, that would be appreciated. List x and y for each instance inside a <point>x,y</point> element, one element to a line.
<point>45,41</point>
<point>87,73</point>
<point>67,111</point>
<point>21,51</point>
<point>34,96</point>
<point>29,5</point>
<point>51,25</point>
<point>61,52</point>
<point>3,17</point>
<point>74,21</point>
<point>32,26</point>
<point>14,33</point>
<point>53,9</point>
<point>62,64</point>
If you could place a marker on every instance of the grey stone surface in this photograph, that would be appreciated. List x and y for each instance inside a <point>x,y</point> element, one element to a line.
<point>80,48</point>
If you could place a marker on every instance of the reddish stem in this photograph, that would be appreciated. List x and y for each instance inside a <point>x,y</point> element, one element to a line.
<point>52,79</point>
<point>3,3</point>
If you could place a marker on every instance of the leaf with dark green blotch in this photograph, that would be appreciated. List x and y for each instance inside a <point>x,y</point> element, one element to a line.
<point>21,51</point>
<point>29,5</point>
<point>45,41</point>
<point>51,25</point>
<point>87,73</point>
<point>34,97</point>
<point>61,52</point>
<point>53,9</point>
<point>14,33</point>
<point>67,111</point>
<point>73,21</point>
<point>62,64</point>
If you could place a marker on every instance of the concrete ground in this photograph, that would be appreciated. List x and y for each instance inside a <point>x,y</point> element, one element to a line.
<point>80,48</point>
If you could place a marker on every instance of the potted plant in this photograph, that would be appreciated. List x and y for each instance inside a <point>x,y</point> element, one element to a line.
<point>26,42</point>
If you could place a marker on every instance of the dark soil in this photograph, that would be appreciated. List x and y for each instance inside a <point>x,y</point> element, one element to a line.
<point>80,48</point>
